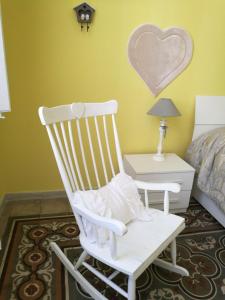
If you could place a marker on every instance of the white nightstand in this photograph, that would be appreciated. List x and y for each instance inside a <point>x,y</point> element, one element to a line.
<point>172,169</point>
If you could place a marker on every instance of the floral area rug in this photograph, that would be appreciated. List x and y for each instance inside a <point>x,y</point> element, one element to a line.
<point>29,271</point>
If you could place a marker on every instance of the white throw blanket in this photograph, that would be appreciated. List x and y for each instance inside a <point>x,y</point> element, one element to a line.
<point>119,200</point>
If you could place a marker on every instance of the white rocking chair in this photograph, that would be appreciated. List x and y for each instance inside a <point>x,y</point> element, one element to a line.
<point>132,247</point>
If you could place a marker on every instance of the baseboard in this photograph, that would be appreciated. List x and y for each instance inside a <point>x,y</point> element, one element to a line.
<point>23,196</point>
<point>2,204</point>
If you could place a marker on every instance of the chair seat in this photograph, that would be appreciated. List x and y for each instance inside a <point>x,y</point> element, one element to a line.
<point>141,245</point>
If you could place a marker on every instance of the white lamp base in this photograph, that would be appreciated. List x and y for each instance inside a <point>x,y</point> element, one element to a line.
<point>159,157</point>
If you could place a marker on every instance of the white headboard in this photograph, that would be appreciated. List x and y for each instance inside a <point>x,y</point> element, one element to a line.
<point>209,114</point>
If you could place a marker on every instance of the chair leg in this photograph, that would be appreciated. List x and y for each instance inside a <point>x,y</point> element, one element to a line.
<point>131,288</point>
<point>81,259</point>
<point>173,267</point>
<point>173,251</point>
<point>76,274</point>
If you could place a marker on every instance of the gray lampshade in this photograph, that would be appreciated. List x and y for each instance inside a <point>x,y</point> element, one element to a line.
<point>164,107</point>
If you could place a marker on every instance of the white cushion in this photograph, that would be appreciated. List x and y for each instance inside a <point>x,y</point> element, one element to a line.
<point>119,200</point>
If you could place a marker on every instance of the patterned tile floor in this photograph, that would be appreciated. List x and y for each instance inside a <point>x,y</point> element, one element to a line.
<point>201,248</point>
<point>32,207</point>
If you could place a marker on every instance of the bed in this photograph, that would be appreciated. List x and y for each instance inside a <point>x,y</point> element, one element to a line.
<point>209,120</point>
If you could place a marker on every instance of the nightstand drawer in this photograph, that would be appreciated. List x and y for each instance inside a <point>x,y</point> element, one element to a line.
<point>178,201</point>
<point>143,167</point>
<point>184,179</point>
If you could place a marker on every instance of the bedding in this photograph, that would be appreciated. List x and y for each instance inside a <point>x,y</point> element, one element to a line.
<point>207,155</point>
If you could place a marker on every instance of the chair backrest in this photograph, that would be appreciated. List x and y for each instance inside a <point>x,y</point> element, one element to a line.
<point>85,143</point>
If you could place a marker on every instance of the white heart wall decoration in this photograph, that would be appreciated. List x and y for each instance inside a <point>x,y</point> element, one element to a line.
<point>159,56</point>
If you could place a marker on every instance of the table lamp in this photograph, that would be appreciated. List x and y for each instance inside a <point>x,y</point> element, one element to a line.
<point>163,108</point>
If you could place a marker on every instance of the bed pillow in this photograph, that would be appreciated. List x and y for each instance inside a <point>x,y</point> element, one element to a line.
<point>119,199</point>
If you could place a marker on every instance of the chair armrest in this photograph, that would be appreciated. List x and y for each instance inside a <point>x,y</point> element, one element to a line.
<point>113,225</point>
<point>166,187</point>
<point>170,187</point>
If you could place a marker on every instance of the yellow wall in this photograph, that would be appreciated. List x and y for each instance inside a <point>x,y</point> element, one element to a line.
<point>50,62</point>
